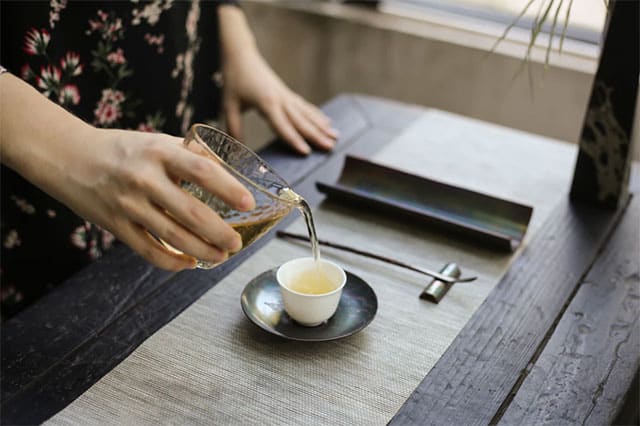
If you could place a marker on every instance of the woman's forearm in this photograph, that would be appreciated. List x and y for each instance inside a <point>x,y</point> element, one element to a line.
<point>236,36</point>
<point>122,180</point>
<point>38,138</point>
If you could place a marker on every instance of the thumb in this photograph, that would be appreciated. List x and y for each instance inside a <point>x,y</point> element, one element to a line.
<point>233,117</point>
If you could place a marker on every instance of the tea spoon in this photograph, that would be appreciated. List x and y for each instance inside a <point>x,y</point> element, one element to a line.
<point>436,275</point>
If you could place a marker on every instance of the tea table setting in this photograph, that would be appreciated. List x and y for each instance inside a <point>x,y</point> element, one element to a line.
<point>548,330</point>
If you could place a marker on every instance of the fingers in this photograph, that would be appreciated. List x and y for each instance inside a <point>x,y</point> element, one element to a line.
<point>285,129</point>
<point>163,226</point>
<point>308,128</point>
<point>155,201</point>
<point>317,117</point>
<point>144,244</point>
<point>297,121</point>
<point>137,189</point>
<point>199,220</point>
<point>208,173</point>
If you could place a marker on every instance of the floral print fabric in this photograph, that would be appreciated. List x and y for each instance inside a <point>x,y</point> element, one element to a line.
<point>147,66</point>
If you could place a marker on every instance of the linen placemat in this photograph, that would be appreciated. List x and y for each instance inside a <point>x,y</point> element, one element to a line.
<point>210,365</point>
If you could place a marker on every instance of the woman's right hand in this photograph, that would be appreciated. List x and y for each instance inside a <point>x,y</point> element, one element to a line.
<point>124,181</point>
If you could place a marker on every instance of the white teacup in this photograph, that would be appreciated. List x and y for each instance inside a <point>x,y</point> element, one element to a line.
<point>310,309</point>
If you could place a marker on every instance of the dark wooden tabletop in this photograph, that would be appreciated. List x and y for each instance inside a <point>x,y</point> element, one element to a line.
<point>557,341</point>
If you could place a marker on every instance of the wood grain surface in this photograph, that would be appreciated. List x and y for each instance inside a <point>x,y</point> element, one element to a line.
<point>475,377</point>
<point>586,369</point>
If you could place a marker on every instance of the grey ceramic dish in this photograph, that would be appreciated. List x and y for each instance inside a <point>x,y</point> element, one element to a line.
<point>262,304</point>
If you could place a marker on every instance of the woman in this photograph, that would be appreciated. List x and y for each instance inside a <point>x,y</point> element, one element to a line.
<point>82,165</point>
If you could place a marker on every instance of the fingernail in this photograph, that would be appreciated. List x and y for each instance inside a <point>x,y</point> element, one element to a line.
<point>192,263</point>
<point>247,202</point>
<point>237,246</point>
<point>333,132</point>
<point>221,256</point>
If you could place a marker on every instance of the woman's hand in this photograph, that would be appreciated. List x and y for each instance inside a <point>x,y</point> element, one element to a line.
<point>124,181</point>
<point>249,81</point>
<point>127,183</point>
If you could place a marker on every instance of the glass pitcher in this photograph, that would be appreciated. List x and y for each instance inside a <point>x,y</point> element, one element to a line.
<point>274,199</point>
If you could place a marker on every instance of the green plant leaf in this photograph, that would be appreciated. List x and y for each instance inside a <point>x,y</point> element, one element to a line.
<point>566,24</point>
<point>510,26</point>
<point>553,34</point>
<point>537,26</point>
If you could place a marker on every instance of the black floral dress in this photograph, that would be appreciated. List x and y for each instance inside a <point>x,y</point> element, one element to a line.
<point>144,65</point>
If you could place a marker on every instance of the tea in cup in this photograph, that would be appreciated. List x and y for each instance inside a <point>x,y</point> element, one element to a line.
<point>310,289</point>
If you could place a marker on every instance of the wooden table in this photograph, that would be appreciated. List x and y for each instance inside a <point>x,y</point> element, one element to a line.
<point>556,341</point>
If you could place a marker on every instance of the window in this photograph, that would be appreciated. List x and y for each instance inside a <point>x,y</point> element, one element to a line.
<point>586,21</point>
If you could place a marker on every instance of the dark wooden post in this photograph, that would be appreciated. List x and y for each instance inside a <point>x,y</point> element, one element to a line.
<point>604,159</point>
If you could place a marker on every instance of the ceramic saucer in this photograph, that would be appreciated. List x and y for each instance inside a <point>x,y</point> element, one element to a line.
<point>262,304</point>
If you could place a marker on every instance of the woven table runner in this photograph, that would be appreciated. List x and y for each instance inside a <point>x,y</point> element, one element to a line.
<point>211,365</point>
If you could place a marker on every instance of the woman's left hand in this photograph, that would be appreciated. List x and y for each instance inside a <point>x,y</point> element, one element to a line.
<point>250,82</point>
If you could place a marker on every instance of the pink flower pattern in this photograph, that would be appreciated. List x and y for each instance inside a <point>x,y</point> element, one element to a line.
<point>69,95</point>
<point>36,42</point>
<point>184,66</point>
<point>54,13</point>
<point>117,57</point>
<point>155,40</point>
<point>53,81</point>
<point>109,59</point>
<point>49,79</point>
<point>109,27</point>
<point>151,12</point>
<point>108,110</point>
<point>152,124</point>
<point>145,127</point>
<point>27,73</point>
<point>70,64</point>
<point>92,238</point>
